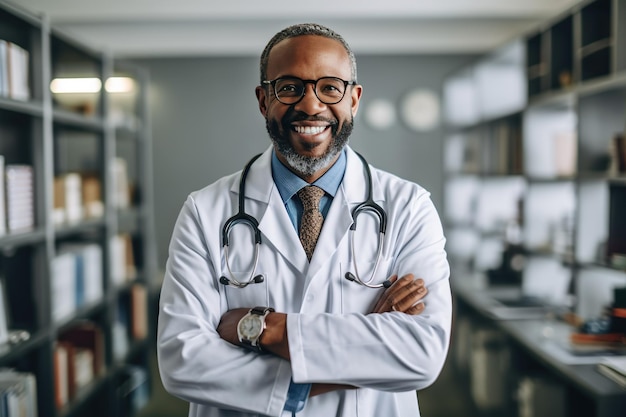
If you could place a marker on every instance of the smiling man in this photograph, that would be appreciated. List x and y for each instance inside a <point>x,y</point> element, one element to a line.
<point>288,307</point>
<point>308,120</point>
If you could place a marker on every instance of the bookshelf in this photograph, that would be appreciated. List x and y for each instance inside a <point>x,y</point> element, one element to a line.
<point>77,255</point>
<point>535,163</point>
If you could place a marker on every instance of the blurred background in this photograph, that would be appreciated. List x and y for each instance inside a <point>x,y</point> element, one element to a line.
<point>511,113</point>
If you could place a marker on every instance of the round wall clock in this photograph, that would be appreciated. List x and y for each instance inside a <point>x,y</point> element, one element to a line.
<point>420,110</point>
<point>380,114</point>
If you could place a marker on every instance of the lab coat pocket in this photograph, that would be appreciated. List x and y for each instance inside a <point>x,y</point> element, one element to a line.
<point>357,298</point>
<point>254,294</point>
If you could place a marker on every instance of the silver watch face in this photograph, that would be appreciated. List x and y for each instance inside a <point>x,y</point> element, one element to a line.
<point>250,327</point>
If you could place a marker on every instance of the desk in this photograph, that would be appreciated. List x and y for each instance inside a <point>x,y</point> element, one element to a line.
<point>609,399</point>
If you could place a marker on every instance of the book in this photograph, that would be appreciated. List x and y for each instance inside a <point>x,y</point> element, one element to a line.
<point>83,367</point>
<point>87,335</point>
<point>4,68</point>
<point>67,199</point>
<point>20,211</point>
<point>129,257</point>
<point>88,273</point>
<point>123,267</point>
<point>63,282</point>
<point>61,374</point>
<point>121,183</point>
<point>4,309</point>
<point>565,153</point>
<point>92,196</point>
<point>614,368</point>
<point>3,218</point>
<point>139,311</point>
<point>58,200</point>
<point>72,183</point>
<point>18,74</point>
<point>618,154</point>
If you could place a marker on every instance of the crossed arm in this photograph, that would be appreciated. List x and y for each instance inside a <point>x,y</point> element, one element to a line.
<point>405,295</point>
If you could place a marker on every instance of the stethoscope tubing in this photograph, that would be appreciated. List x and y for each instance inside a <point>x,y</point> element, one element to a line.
<point>241,217</point>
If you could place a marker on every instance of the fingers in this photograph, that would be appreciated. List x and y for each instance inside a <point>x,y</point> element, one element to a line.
<point>415,309</point>
<point>404,295</point>
<point>380,303</point>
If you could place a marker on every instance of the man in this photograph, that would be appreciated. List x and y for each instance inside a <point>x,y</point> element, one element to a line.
<point>294,332</point>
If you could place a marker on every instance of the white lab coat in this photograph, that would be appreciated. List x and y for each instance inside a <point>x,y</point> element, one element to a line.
<point>331,337</point>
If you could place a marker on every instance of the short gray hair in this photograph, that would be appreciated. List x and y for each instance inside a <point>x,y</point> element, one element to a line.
<point>301,30</point>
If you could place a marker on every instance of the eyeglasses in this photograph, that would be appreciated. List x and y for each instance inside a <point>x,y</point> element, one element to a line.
<point>290,90</point>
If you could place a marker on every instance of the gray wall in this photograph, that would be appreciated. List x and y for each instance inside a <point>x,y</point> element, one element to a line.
<point>206,124</point>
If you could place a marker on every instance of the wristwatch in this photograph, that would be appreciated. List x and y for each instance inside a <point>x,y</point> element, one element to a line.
<point>251,326</point>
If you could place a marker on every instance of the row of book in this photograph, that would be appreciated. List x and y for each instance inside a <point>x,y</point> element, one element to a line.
<point>17,208</point>
<point>77,273</point>
<point>78,360</point>
<point>18,394</point>
<point>134,390</point>
<point>76,278</point>
<point>14,71</point>
<point>131,321</point>
<point>77,197</point>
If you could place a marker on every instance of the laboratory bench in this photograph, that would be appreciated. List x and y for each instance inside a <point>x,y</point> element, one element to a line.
<point>529,340</point>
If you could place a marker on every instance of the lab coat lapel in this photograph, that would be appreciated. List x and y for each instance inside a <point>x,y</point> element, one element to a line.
<point>263,201</point>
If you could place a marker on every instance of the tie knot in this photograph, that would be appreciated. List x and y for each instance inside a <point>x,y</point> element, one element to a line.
<point>310,197</point>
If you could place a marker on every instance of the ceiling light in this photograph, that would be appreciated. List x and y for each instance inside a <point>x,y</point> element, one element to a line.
<point>75,85</point>
<point>119,85</point>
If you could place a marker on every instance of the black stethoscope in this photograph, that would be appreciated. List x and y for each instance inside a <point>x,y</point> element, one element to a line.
<point>241,217</point>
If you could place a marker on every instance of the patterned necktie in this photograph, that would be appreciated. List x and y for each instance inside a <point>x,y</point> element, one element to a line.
<point>312,219</point>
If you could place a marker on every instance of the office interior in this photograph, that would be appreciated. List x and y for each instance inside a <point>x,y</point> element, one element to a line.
<point>511,114</point>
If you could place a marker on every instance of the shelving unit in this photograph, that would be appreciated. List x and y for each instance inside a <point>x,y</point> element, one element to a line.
<point>102,139</point>
<point>554,191</point>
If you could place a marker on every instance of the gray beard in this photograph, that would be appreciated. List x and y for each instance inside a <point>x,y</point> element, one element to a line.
<point>306,166</point>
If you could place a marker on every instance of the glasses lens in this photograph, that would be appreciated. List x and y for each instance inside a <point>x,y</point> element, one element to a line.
<point>330,90</point>
<point>289,90</point>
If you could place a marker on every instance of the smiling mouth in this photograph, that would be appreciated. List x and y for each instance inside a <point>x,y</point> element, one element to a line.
<point>309,130</point>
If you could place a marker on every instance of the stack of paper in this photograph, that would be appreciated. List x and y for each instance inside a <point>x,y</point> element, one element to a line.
<point>614,368</point>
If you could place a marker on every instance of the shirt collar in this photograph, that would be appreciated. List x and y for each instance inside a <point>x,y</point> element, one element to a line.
<point>289,183</point>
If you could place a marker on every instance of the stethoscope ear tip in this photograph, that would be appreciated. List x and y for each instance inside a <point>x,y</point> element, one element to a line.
<point>387,283</point>
<point>224,280</point>
<point>259,279</point>
<point>350,276</point>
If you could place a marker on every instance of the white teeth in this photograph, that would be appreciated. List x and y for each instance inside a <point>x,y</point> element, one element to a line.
<point>309,130</point>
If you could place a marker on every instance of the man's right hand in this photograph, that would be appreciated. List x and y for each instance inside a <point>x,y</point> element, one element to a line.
<point>405,295</point>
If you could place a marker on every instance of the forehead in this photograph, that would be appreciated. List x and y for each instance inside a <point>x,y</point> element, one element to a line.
<point>309,57</point>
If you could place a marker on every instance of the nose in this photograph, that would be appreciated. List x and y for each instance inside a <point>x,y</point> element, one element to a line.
<point>309,103</point>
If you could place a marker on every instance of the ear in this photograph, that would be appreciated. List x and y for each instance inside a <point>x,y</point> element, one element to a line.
<point>261,96</point>
<point>355,96</point>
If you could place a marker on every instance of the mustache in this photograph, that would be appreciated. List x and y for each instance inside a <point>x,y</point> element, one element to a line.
<point>296,116</point>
